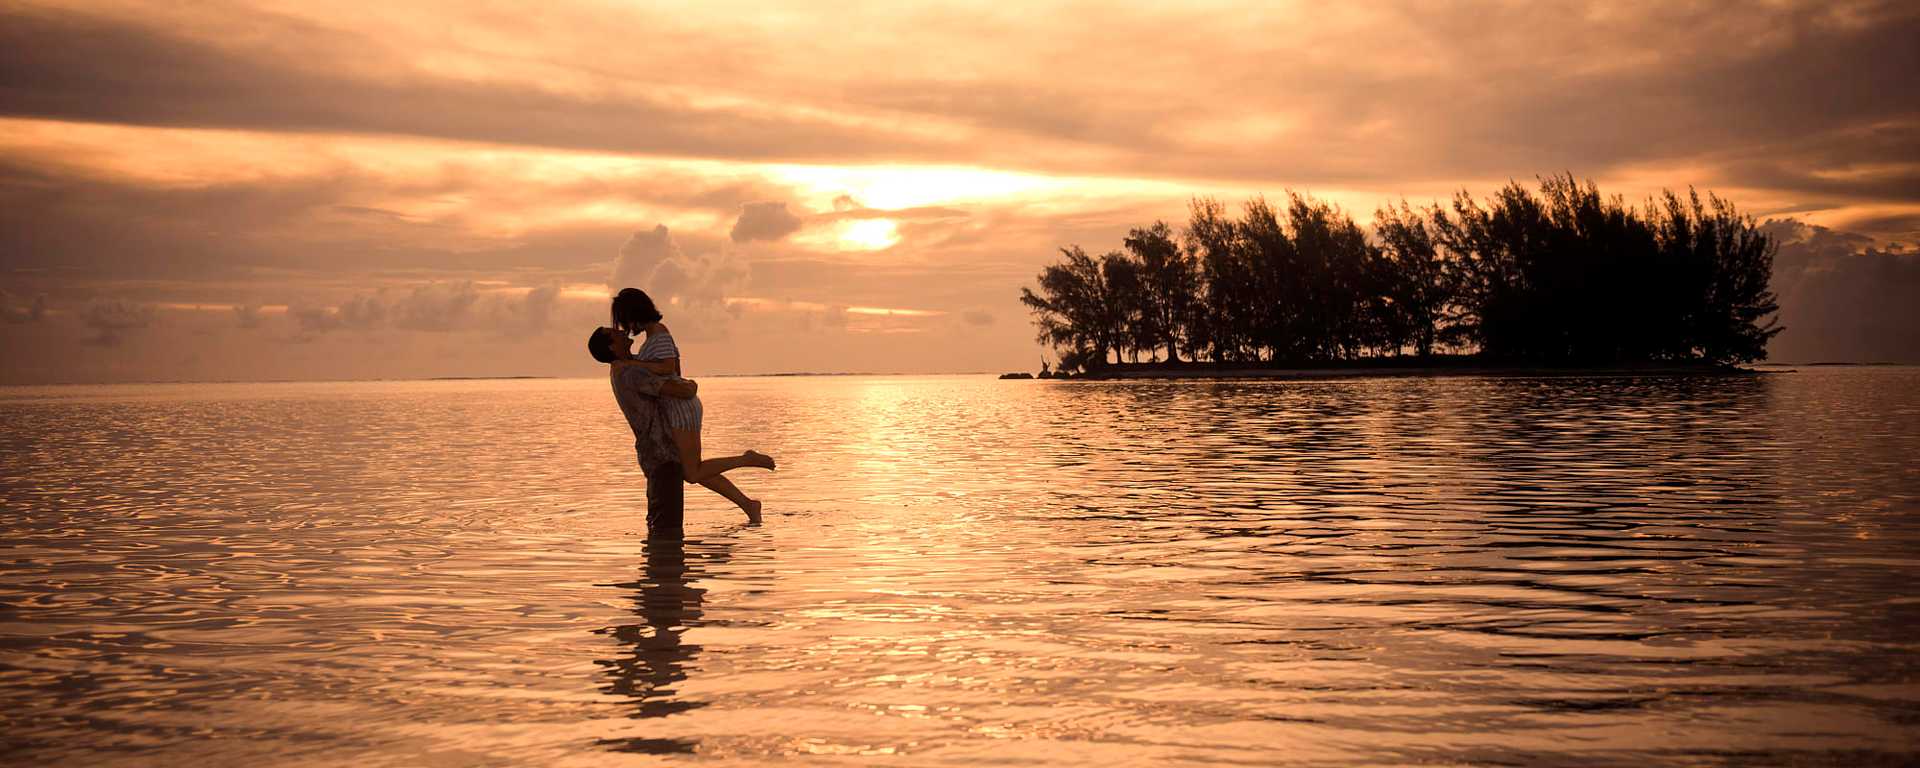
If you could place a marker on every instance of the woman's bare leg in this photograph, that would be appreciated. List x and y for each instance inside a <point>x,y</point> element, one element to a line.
<point>721,485</point>
<point>710,471</point>
<point>697,470</point>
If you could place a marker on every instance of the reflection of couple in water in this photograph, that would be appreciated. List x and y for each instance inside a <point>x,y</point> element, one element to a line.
<point>665,412</point>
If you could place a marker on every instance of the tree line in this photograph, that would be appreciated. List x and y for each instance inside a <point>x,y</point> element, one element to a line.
<point>1557,276</point>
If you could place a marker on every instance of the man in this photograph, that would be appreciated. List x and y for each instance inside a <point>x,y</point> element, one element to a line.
<point>639,391</point>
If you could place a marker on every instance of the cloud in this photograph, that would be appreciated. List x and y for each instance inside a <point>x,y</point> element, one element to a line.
<point>1267,94</point>
<point>247,315</point>
<point>691,291</point>
<point>110,319</point>
<point>436,307</point>
<point>201,153</point>
<point>314,320</point>
<point>96,68</point>
<point>526,315</point>
<point>845,207</point>
<point>1844,298</point>
<point>773,221</point>
<point>362,312</point>
<point>440,306</point>
<point>764,221</point>
<point>977,317</point>
<point>34,312</point>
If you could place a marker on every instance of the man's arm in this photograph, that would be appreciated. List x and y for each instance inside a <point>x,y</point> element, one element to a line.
<point>679,388</point>
<point>640,380</point>
<point>669,367</point>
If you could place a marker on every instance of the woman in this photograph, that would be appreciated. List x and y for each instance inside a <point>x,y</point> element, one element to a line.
<point>634,313</point>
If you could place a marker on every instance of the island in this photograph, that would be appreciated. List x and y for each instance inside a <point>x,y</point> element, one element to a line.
<point>1558,279</point>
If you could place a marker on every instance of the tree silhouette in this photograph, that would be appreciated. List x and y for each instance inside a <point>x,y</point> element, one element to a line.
<point>1070,309</point>
<point>1170,284</point>
<point>1416,280</point>
<point>1558,276</point>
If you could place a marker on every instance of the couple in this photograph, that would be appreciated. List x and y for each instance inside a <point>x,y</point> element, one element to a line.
<point>664,411</point>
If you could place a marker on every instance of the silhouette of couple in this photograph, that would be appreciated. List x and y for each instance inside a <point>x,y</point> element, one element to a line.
<point>664,410</point>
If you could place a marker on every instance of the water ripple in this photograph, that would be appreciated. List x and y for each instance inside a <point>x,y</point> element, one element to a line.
<point>961,570</point>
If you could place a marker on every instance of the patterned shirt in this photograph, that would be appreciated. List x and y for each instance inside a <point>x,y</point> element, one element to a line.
<point>638,392</point>
<point>659,346</point>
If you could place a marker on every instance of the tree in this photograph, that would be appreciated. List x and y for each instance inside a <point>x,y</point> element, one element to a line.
<point>1121,305</point>
<point>1417,277</point>
<point>1170,282</point>
<point>1070,309</point>
<point>1232,295</point>
<point>1722,263</point>
<point>1561,275</point>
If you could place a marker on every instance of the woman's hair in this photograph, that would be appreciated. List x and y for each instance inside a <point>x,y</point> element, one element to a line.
<point>634,310</point>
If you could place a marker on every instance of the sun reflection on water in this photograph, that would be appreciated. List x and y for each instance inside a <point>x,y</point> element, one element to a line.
<point>1653,571</point>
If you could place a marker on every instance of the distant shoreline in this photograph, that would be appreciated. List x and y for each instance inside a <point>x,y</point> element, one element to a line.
<point>473,378</point>
<point>1396,369</point>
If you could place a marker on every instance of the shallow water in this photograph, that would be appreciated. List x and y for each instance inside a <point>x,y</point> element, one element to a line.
<point>961,570</point>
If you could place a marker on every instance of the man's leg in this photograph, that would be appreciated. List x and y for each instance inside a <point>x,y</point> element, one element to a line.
<point>666,502</point>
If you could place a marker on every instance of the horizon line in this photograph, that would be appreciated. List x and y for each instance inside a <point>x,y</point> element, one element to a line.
<point>775,374</point>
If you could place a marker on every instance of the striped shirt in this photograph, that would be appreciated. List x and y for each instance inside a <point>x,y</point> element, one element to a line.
<point>659,346</point>
<point>681,414</point>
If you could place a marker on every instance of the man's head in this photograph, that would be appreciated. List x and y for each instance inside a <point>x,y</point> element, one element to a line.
<point>607,345</point>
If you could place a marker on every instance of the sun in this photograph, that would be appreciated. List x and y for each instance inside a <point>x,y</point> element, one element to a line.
<point>868,234</point>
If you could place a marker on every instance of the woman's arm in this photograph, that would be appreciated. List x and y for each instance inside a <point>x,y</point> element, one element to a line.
<point>659,327</point>
<point>646,384</point>
<point>668,367</point>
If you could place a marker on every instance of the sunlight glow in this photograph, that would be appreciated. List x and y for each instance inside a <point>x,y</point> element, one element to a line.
<point>867,234</point>
<point>894,186</point>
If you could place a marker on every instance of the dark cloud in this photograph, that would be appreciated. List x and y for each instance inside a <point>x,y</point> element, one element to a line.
<point>110,319</point>
<point>14,313</point>
<point>1499,91</point>
<point>977,317</point>
<point>83,67</point>
<point>247,316</point>
<point>53,217</point>
<point>1842,298</point>
<point>1897,227</point>
<point>764,221</point>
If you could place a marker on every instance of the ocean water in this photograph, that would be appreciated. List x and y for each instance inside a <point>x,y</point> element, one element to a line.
<point>959,570</point>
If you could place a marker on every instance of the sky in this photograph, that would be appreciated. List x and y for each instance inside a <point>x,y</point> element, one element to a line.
<point>297,190</point>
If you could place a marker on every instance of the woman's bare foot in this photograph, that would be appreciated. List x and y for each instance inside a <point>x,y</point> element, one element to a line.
<point>758,459</point>
<point>752,508</point>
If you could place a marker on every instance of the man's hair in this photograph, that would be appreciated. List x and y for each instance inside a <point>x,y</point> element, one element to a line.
<point>633,310</point>
<point>600,345</point>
